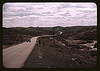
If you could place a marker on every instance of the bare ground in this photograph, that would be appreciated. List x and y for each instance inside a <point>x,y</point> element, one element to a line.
<point>50,54</point>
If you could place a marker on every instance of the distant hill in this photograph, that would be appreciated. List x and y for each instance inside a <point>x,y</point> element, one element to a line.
<point>19,34</point>
<point>80,32</point>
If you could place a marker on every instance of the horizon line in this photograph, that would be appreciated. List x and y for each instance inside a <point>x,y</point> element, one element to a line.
<point>48,26</point>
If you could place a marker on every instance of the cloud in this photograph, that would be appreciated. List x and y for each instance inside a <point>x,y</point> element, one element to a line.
<point>16,8</point>
<point>49,14</point>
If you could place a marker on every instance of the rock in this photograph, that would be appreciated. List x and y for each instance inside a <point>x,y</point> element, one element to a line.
<point>40,57</point>
<point>73,59</point>
<point>48,67</point>
<point>94,49</point>
<point>81,49</point>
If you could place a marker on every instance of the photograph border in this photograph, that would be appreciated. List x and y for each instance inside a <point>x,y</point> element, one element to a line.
<point>69,69</point>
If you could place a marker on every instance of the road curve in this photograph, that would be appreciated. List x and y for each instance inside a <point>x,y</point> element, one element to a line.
<point>15,56</point>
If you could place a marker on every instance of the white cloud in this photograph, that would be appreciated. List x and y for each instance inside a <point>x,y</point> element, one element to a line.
<point>49,14</point>
<point>16,8</point>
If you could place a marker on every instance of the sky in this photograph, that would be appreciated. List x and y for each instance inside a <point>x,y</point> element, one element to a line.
<point>49,14</point>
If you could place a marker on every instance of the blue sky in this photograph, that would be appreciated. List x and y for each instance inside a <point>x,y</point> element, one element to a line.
<point>49,14</point>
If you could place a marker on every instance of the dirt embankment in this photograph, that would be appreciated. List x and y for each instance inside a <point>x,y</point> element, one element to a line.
<point>51,53</point>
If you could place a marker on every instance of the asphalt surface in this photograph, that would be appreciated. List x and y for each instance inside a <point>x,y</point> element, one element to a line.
<point>15,56</point>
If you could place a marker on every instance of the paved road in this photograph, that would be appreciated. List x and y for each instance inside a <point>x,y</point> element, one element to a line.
<point>15,56</point>
<point>46,35</point>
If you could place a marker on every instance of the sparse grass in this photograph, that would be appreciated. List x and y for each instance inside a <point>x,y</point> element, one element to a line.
<point>57,56</point>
